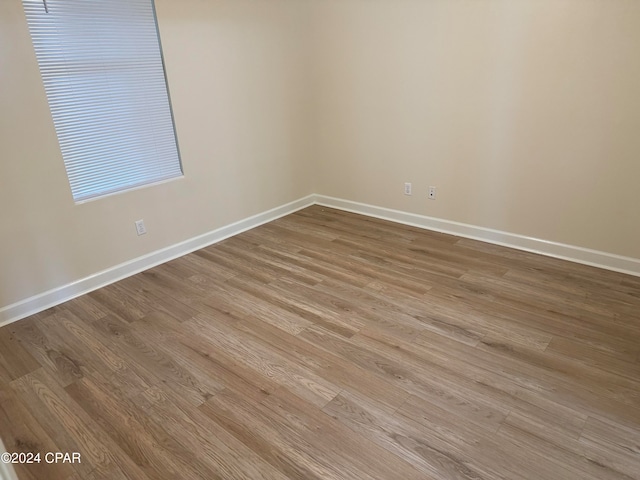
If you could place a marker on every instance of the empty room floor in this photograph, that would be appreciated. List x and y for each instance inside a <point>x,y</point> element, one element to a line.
<point>330,345</point>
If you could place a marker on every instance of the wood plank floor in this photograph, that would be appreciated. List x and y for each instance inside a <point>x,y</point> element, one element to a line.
<point>327,345</point>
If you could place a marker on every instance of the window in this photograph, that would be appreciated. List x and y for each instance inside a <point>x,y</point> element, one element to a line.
<point>103,72</point>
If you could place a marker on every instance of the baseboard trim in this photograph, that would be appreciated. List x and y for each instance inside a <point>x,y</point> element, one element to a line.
<point>40,302</point>
<point>585,256</point>
<point>6,469</point>
<point>51,298</point>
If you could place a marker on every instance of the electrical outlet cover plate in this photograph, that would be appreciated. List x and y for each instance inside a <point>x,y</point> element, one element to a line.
<point>432,193</point>
<point>140,228</point>
<point>407,188</point>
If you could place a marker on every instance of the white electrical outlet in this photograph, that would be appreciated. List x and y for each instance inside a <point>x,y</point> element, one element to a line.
<point>432,193</point>
<point>140,228</point>
<point>407,188</point>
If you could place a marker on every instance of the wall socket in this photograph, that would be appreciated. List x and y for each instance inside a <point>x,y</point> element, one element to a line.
<point>407,188</point>
<point>432,193</point>
<point>140,228</point>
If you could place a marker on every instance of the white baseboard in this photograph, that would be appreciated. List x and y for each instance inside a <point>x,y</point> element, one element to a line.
<point>38,303</point>
<point>59,295</point>
<point>608,261</point>
<point>6,469</point>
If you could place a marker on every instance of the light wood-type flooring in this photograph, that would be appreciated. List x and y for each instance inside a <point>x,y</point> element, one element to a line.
<point>327,345</point>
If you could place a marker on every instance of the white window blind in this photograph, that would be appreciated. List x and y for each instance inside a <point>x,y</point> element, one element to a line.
<point>103,72</point>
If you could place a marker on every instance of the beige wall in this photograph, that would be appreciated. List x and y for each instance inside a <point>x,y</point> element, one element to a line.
<point>524,113</point>
<point>237,75</point>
